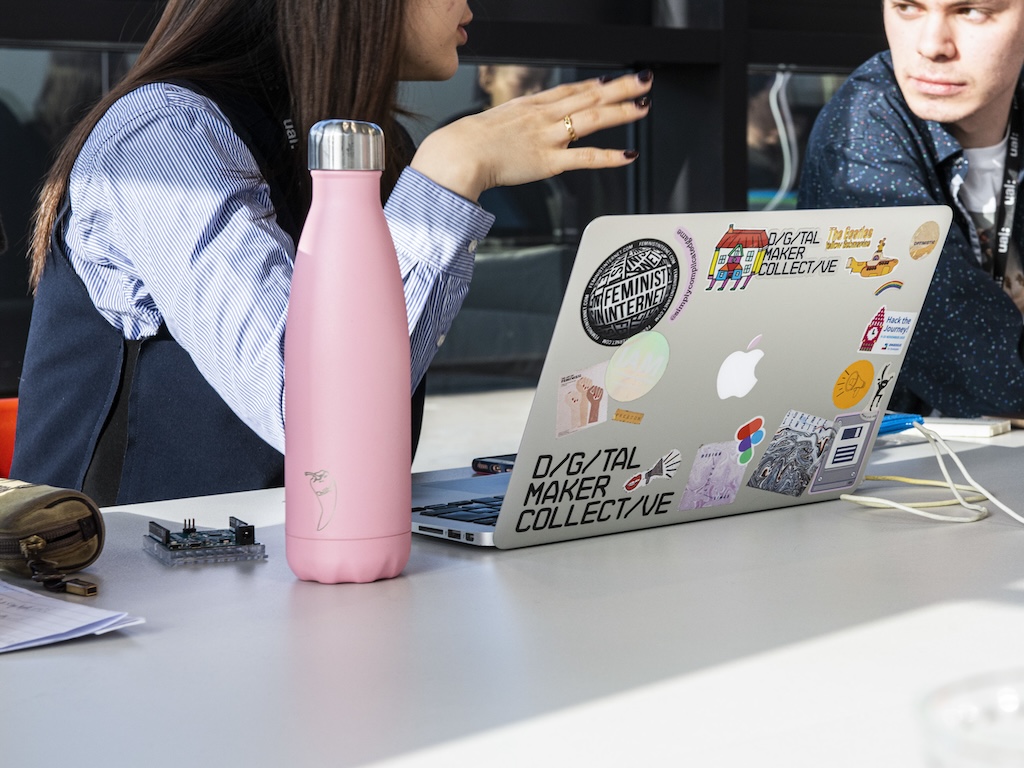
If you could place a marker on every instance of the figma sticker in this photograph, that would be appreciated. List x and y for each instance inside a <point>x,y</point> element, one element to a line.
<point>749,436</point>
<point>630,292</point>
<point>637,366</point>
<point>665,467</point>
<point>789,462</point>
<point>581,400</point>
<point>715,477</point>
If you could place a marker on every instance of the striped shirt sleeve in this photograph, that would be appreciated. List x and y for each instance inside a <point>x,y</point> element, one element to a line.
<point>171,222</point>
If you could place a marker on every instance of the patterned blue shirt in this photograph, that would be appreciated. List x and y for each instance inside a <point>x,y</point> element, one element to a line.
<point>171,222</point>
<point>868,149</point>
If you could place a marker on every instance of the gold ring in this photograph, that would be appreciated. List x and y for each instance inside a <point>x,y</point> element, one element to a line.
<point>568,127</point>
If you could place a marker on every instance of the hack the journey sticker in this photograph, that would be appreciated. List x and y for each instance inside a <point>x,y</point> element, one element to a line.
<point>630,292</point>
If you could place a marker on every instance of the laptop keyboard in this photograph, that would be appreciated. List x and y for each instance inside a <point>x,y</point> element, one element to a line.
<point>483,511</point>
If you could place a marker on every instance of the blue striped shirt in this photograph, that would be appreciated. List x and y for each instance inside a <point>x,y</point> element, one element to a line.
<point>171,222</point>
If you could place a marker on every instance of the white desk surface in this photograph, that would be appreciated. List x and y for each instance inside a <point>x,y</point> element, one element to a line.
<point>799,637</point>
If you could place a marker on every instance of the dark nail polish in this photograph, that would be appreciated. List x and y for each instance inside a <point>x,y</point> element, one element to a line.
<point>605,78</point>
<point>631,154</point>
<point>643,102</point>
<point>646,76</point>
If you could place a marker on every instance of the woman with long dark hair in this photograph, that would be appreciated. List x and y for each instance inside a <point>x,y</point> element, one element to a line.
<point>166,229</point>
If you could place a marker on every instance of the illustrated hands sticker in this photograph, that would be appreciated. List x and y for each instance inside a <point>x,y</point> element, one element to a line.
<point>326,494</point>
<point>664,467</point>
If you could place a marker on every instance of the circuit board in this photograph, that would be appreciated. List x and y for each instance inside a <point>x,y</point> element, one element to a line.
<point>191,546</point>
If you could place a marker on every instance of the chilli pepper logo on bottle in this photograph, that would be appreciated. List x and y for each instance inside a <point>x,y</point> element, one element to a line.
<point>326,495</point>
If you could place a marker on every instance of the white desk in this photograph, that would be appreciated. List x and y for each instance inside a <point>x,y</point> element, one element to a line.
<point>800,637</point>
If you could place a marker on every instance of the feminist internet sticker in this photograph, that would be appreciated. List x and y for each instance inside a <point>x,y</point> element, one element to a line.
<point>637,366</point>
<point>630,292</point>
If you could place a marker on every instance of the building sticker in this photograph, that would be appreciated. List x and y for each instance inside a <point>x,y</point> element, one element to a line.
<point>737,258</point>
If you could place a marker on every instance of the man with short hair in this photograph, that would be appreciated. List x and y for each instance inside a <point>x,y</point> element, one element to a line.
<point>935,120</point>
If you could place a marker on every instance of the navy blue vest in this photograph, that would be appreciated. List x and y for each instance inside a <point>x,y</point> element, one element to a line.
<point>134,421</point>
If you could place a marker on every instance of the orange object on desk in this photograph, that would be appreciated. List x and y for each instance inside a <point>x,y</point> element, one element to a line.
<point>8,415</point>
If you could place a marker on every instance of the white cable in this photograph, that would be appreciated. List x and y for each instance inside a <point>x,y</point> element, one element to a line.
<point>938,444</point>
<point>779,102</point>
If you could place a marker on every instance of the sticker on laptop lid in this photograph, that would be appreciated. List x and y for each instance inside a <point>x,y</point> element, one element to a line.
<point>887,332</point>
<point>844,454</point>
<point>581,400</point>
<point>797,253</point>
<point>737,258</point>
<point>715,477</point>
<point>687,241</point>
<point>889,286</point>
<point>630,291</point>
<point>882,381</point>
<point>627,417</point>
<point>879,265</point>
<point>637,366</point>
<point>663,468</point>
<point>853,384</point>
<point>924,240</point>
<point>748,437</point>
<point>790,460</point>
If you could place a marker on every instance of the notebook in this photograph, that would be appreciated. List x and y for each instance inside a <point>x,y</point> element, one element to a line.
<point>704,365</point>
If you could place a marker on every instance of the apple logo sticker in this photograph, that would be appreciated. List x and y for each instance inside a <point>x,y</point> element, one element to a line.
<point>736,375</point>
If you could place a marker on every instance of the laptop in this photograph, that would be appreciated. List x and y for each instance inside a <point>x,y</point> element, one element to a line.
<point>703,365</point>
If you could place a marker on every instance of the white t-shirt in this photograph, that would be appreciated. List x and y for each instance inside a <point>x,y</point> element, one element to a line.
<point>980,194</point>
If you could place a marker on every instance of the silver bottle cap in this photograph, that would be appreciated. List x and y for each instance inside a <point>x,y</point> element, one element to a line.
<point>346,145</point>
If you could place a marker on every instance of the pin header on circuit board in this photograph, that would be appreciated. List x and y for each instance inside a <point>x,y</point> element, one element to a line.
<point>192,546</point>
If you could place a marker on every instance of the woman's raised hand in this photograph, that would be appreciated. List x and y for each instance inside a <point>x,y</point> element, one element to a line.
<point>532,137</point>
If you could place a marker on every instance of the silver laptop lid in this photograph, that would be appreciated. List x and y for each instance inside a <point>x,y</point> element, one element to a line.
<point>710,364</point>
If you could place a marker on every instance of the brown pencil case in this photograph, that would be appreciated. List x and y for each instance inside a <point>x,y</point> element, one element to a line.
<point>47,532</point>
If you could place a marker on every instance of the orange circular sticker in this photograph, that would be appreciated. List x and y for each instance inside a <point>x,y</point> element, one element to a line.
<point>924,240</point>
<point>853,384</point>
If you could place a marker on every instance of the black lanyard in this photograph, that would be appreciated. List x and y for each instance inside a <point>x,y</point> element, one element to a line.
<point>997,253</point>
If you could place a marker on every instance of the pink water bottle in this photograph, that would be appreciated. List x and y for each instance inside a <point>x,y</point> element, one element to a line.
<point>346,356</point>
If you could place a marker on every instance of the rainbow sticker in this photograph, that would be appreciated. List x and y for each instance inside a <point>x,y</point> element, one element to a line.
<point>897,284</point>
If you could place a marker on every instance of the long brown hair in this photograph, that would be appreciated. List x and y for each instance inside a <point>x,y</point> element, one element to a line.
<point>334,58</point>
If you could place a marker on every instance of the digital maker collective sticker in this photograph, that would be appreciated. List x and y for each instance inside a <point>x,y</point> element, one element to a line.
<point>630,291</point>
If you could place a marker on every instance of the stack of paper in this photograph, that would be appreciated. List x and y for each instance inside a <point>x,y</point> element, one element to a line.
<point>29,618</point>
